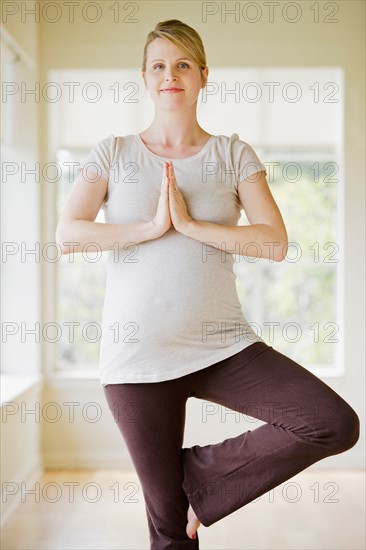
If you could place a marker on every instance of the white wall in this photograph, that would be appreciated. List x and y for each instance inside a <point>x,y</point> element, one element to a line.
<point>21,459</point>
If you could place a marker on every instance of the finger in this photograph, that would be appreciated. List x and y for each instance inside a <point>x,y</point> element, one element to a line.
<point>166,176</point>
<point>172,187</point>
<point>169,173</point>
<point>172,174</point>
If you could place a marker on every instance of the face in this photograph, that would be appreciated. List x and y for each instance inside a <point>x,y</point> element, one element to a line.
<point>168,67</point>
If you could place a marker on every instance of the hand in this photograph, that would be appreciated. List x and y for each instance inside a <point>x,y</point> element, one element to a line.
<point>162,221</point>
<point>177,206</point>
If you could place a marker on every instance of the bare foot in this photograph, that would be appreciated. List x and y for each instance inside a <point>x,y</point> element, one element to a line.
<point>193,522</point>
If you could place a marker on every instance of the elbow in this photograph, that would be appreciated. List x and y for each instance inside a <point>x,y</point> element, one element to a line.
<point>282,251</point>
<point>60,240</point>
<point>278,244</point>
<point>64,237</point>
<point>280,257</point>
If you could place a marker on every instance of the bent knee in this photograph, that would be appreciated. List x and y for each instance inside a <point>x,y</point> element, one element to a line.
<point>344,430</point>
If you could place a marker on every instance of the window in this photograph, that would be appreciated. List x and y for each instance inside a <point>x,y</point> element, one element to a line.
<point>20,223</point>
<point>80,289</point>
<point>294,305</point>
<point>293,118</point>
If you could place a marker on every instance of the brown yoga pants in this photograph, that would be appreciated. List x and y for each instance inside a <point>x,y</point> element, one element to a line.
<point>305,421</point>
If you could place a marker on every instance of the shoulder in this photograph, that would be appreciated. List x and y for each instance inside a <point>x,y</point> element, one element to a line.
<point>111,141</point>
<point>241,156</point>
<point>233,146</point>
<point>107,141</point>
<point>112,145</point>
<point>105,146</point>
<point>234,143</point>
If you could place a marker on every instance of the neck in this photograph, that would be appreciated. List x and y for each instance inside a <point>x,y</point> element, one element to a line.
<point>175,129</point>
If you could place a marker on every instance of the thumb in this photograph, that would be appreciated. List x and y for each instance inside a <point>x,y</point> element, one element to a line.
<point>165,178</point>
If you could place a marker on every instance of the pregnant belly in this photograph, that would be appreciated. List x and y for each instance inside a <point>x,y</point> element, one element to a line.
<point>179,310</point>
<point>172,291</point>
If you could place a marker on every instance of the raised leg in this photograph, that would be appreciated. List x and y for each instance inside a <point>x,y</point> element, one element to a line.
<point>306,421</point>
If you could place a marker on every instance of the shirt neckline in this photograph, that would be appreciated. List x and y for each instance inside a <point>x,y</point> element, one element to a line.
<point>147,150</point>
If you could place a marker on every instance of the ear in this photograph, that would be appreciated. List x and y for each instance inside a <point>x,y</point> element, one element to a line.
<point>204,76</point>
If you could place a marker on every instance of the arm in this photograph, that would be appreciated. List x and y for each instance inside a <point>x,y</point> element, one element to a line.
<point>78,228</point>
<point>266,237</point>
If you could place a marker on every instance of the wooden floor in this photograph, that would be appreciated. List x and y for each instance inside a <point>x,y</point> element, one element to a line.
<point>106,510</point>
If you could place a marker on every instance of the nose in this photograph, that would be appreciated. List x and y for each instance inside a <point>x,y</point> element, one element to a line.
<point>169,74</point>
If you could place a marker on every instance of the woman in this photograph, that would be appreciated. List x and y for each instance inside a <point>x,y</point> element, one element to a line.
<point>173,327</point>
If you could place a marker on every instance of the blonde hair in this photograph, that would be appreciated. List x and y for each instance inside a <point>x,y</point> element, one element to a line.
<point>184,37</point>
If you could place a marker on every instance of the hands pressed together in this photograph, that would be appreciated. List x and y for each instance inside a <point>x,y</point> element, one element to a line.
<point>172,209</point>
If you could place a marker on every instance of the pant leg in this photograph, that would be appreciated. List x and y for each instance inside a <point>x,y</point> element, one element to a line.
<point>306,421</point>
<point>151,419</point>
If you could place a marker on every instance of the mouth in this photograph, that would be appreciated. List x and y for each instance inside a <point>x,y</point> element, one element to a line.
<point>171,90</point>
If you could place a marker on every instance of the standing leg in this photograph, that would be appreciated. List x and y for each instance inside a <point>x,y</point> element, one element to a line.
<point>306,421</point>
<point>151,419</point>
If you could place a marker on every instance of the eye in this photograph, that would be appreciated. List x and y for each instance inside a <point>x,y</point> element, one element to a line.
<point>160,65</point>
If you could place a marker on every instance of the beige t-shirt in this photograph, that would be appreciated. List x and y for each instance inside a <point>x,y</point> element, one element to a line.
<point>171,305</point>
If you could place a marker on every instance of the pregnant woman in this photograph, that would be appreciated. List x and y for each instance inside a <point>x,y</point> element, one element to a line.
<point>173,327</point>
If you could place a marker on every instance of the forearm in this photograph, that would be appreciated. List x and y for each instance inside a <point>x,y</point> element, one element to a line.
<point>258,240</point>
<point>75,235</point>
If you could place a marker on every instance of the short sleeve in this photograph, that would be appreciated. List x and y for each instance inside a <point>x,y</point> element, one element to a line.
<point>243,159</point>
<point>99,159</point>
